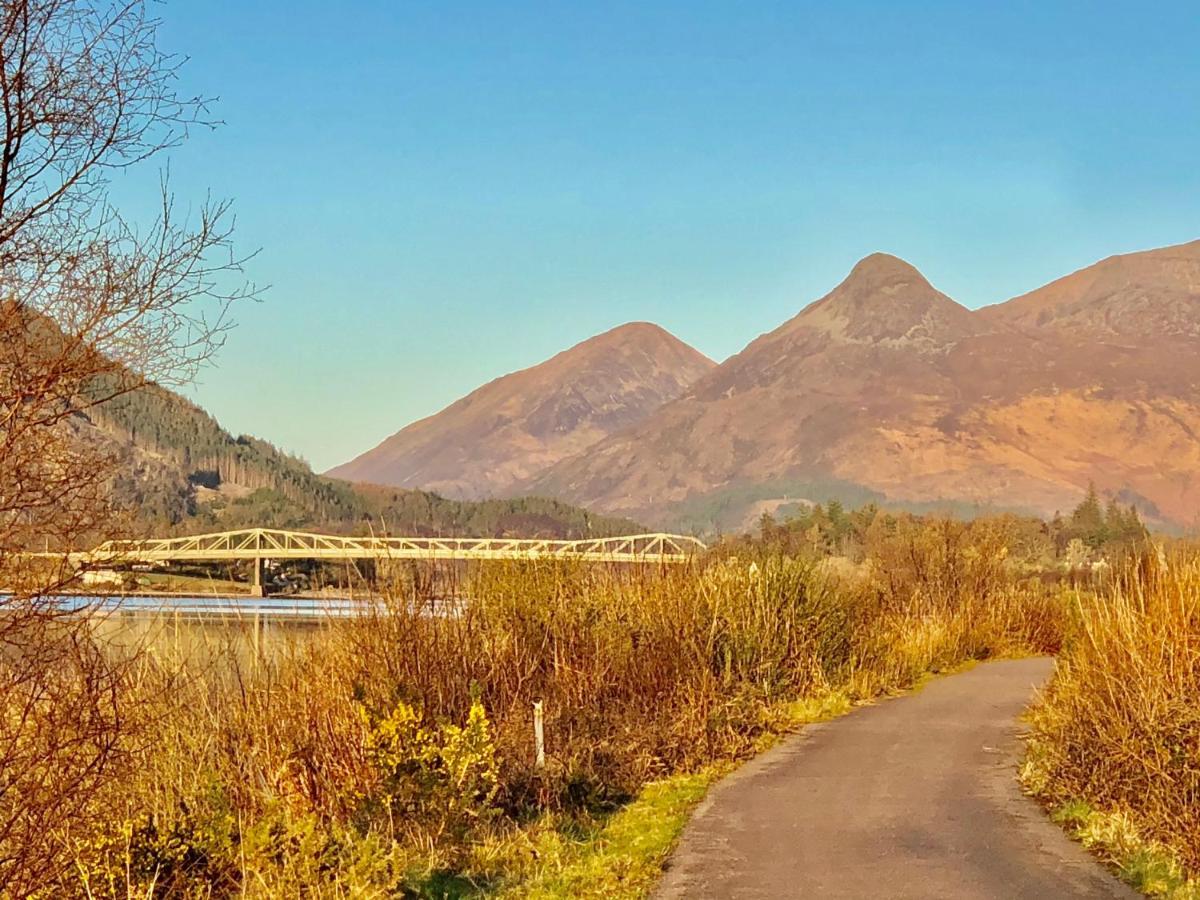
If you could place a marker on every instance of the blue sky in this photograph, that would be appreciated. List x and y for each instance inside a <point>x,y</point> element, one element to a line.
<point>444,193</point>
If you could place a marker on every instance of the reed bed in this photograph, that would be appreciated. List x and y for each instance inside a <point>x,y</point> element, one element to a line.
<point>1117,733</point>
<point>394,754</point>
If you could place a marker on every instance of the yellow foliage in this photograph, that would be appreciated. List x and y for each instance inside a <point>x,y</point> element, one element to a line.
<point>444,776</point>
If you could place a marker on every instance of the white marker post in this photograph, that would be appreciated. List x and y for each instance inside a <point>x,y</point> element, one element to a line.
<point>539,736</point>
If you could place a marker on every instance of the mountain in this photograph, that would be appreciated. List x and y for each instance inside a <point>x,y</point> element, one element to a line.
<point>887,390</point>
<point>883,390</point>
<point>1151,295</point>
<point>872,350</point>
<point>181,472</point>
<point>513,428</point>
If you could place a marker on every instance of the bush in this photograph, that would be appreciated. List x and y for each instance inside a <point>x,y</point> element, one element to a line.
<point>1119,725</point>
<point>379,752</point>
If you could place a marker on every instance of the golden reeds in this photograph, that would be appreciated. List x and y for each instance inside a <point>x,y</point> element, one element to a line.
<point>360,752</point>
<point>1119,726</point>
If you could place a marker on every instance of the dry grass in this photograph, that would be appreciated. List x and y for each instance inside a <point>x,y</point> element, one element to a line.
<point>1119,726</point>
<point>395,753</point>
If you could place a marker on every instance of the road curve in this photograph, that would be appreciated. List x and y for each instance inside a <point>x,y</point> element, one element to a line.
<point>914,797</point>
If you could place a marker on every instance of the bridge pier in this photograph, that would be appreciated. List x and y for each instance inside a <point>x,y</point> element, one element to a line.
<point>257,587</point>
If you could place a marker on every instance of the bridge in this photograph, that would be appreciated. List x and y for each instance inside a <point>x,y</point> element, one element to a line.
<point>261,544</point>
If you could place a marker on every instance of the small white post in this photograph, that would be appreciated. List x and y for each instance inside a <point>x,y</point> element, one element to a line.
<point>257,638</point>
<point>539,735</point>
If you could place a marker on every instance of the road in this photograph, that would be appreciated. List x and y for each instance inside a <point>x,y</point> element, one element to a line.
<point>914,797</point>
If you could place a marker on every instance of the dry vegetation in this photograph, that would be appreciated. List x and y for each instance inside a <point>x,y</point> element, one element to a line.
<point>395,753</point>
<point>91,307</point>
<point>1115,747</point>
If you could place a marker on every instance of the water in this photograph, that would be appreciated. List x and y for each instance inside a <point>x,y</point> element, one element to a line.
<point>276,608</point>
<point>279,608</point>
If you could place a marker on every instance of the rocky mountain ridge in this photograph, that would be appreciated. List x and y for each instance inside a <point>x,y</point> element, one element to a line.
<point>886,388</point>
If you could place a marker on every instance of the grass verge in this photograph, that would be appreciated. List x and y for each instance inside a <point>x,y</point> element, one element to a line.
<point>1146,865</point>
<point>623,857</point>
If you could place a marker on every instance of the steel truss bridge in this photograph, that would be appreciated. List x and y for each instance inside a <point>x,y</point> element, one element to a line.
<point>261,544</point>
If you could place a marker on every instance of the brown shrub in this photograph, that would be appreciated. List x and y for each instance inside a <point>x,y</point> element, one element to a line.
<point>264,751</point>
<point>1119,726</point>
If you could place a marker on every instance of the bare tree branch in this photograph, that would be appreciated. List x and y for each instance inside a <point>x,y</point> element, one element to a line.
<point>91,307</point>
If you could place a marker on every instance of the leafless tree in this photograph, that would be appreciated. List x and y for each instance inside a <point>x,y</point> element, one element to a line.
<point>92,306</point>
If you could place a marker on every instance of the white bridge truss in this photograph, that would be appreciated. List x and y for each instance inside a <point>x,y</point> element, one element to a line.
<point>267,543</point>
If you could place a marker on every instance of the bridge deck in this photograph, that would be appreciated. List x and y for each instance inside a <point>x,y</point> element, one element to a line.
<point>266,543</point>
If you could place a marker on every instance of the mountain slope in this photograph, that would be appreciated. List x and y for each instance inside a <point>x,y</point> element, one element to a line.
<point>1152,294</point>
<point>181,472</point>
<point>887,389</point>
<point>872,350</point>
<point>514,427</point>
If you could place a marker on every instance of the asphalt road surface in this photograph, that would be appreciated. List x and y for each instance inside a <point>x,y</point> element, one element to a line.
<point>914,797</point>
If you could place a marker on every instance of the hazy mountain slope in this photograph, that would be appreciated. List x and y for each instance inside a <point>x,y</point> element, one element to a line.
<point>518,425</point>
<point>888,388</point>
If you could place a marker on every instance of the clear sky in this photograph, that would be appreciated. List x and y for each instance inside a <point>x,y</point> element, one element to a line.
<point>446,192</point>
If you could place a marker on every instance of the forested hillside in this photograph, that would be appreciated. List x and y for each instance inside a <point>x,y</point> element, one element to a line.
<point>183,472</point>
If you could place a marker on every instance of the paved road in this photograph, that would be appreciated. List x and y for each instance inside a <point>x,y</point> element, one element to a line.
<point>911,798</point>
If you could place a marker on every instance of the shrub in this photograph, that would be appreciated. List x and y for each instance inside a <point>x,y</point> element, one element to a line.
<point>1119,725</point>
<point>443,778</point>
<point>360,753</point>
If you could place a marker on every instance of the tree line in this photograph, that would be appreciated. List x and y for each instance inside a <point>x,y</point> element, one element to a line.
<point>182,472</point>
<point>1093,530</point>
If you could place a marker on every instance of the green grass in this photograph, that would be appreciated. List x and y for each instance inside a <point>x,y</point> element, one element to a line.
<point>624,857</point>
<point>1145,865</point>
<point>808,710</point>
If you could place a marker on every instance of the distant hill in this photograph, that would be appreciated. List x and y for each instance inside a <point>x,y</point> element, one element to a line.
<point>516,426</point>
<point>887,389</point>
<point>181,472</point>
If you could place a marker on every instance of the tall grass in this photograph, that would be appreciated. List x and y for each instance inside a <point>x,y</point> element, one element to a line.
<point>396,752</point>
<point>1119,726</point>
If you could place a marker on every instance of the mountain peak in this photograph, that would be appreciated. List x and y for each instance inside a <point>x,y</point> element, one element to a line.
<point>634,329</point>
<point>885,300</point>
<point>879,268</point>
<point>632,338</point>
<point>499,434</point>
<point>629,331</point>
